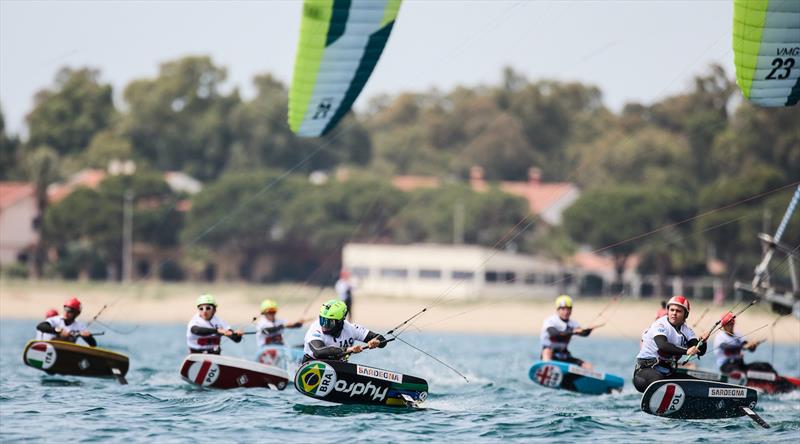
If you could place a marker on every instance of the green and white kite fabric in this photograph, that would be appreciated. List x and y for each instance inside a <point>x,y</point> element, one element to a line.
<point>766,47</point>
<point>340,44</point>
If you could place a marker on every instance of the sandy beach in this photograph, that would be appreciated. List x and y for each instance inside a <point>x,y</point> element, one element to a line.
<point>238,304</point>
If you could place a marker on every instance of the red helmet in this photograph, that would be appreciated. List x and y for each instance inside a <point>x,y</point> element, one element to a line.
<point>50,313</point>
<point>73,304</point>
<point>682,301</point>
<point>728,318</point>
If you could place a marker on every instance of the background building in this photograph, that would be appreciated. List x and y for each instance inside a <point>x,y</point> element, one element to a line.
<point>451,271</point>
<point>18,214</point>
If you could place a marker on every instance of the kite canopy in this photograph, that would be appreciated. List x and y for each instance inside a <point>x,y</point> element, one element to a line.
<point>766,47</point>
<point>340,44</point>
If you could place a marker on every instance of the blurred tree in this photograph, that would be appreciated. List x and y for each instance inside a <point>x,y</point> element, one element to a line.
<point>490,218</point>
<point>357,210</point>
<point>548,112</point>
<point>86,227</point>
<point>8,152</point>
<point>649,155</point>
<point>179,120</point>
<point>757,135</point>
<point>611,218</point>
<point>41,166</point>
<point>264,140</point>
<point>731,231</point>
<point>700,115</point>
<point>68,116</point>
<point>241,214</point>
<point>106,146</point>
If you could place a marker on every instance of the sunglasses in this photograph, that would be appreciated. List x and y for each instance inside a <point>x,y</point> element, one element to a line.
<point>69,310</point>
<point>205,307</point>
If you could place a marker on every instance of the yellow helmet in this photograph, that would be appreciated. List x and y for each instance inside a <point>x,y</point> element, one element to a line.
<point>206,299</point>
<point>563,301</point>
<point>269,306</point>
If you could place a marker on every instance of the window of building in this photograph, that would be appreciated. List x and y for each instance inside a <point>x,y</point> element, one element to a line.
<point>426,273</point>
<point>491,276</point>
<point>463,275</point>
<point>509,277</point>
<point>531,279</point>
<point>394,273</point>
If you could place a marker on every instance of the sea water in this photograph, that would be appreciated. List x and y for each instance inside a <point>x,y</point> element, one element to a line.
<point>499,403</point>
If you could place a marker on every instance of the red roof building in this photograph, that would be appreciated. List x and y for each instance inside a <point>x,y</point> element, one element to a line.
<point>18,212</point>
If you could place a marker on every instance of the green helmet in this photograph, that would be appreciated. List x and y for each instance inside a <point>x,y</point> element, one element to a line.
<point>333,309</point>
<point>331,317</point>
<point>269,305</point>
<point>206,299</point>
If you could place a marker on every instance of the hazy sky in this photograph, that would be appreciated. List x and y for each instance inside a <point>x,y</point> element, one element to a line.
<point>633,50</point>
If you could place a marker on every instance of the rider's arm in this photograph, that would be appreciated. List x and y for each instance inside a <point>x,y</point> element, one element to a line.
<point>90,340</point>
<point>728,346</point>
<point>45,327</point>
<point>270,330</point>
<point>203,331</point>
<point>666,347</point>
<point>372,335</point>
<point>701,349</point>
<point>585,332</point>
<point>554,333</point>
<point>319,351</point>
<point>235,338</point>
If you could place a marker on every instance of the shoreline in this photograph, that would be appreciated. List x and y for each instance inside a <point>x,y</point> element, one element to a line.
<point>158,303</point>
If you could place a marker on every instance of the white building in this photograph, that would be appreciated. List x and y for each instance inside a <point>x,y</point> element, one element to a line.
<point>450,271</point>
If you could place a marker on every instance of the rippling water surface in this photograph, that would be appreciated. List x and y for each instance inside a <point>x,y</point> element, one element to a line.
<point>499,403</point>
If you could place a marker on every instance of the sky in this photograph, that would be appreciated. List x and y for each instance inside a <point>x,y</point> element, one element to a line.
<point>634,51</point>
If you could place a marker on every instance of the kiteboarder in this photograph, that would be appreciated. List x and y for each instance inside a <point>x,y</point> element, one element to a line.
<point>270,329</point>
<point>662,311</point>
<point>269,332</point>
<point>344,289</point>
<point>557,330</point>
<point>728,348</point>
<point>41,336</point>
<point>333,337</point>
<point>666,341</point>
<point>205,329</point>
<point>66,328</point>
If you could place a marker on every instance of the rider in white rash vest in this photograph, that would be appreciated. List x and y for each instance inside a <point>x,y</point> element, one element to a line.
<point>42,336</point>
<point>664,343</point>
<point>332,337</point>
<point>557,330</point>
<point>67,328</point>
<point>269,330</point>
<point>205,329</point>
<point>728,347</point>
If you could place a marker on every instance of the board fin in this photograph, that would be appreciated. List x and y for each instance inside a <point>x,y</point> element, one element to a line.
<point>408,400</point>
<point>754,416</point>
<point>118,375</point>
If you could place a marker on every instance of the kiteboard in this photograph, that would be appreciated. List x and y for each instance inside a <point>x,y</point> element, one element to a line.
<point>696,399</point>
<point>764,381</point>
<point>279,355</point>
<point>562,375</point>
<point>225,372</point>
<point>767,382</point>
<point>345,383</point>
<point>70,359</point>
